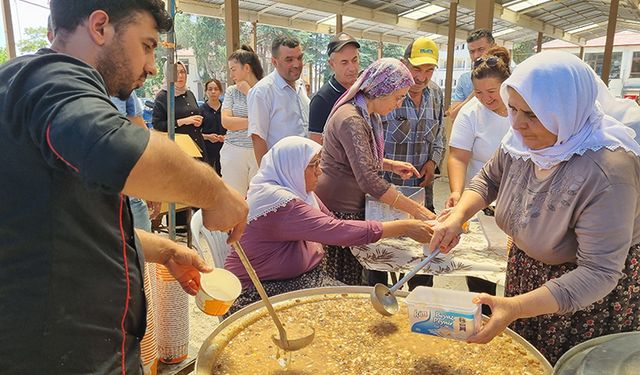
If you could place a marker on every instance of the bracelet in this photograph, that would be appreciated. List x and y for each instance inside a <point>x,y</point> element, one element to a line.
<point>393,205</point>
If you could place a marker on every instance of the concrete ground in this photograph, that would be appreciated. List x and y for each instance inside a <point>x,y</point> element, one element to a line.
<point>201,325</point>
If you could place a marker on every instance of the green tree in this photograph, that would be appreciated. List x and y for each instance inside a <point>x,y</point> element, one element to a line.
<point>35,38</point>
<point>4,56</point>
<point>526,49</point>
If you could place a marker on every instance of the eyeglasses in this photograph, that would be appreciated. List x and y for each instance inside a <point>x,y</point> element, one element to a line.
<point>491,61</point>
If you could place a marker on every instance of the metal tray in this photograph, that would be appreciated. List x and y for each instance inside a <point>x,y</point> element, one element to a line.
<point>617,354</point>
<point>230,327</point>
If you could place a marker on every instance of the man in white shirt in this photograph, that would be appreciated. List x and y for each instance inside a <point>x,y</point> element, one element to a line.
<point>278,105</point>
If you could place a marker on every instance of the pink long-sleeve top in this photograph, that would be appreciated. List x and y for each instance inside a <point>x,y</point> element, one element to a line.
<point>288,242</point>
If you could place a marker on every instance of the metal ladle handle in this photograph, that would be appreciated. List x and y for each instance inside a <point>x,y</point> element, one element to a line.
<point>260,289</point>
<point>414,271</point>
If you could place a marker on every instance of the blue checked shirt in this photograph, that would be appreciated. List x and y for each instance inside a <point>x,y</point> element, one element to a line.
<point>415,135</point>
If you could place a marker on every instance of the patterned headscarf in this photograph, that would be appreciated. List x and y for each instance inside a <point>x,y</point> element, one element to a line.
<point>381,78</point>
<point>565,95</point>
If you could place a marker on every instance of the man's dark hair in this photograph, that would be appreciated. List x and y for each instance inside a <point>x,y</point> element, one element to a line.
<point>479,34</point>
<point>283,40</point>
<point>68,14</point>
<point>246,55</point>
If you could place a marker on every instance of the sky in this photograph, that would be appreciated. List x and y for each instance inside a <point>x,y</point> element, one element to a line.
<point>26,13</point>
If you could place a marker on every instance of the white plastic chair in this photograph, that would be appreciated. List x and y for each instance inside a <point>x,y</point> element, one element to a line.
<point>216,241</point>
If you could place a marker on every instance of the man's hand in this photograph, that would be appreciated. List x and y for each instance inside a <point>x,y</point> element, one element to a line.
<point>229,214</point>
<point>185,265</point>
<point>428,173</point>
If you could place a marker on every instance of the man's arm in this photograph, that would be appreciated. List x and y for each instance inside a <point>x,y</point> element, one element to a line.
<point>183,263</point>
<point>259,147</point>
<point>165,173</point>
<point>259,110</point>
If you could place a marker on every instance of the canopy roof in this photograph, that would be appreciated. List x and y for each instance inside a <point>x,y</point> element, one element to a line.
<point>400,21</point>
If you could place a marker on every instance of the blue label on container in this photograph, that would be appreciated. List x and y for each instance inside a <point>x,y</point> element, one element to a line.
<point>442,323</point>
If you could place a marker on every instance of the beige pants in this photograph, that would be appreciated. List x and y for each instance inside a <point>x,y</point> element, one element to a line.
<point>238,166</point>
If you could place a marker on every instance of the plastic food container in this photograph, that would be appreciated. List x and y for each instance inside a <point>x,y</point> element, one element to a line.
<point>218,290</point>
<point>443,312</point>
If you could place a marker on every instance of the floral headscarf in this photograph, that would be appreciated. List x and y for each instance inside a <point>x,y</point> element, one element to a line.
<point>381,78</point>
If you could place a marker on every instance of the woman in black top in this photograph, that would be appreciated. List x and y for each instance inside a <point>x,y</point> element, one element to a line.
<point>188,118</point>
<point>212,129</point>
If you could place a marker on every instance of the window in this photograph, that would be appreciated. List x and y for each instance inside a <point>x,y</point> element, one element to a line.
<point>635,65</point>
<point>596,60</point>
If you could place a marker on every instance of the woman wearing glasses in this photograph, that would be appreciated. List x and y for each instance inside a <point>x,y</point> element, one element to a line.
<point>353,157</point>
<point>480,124</point>
<point>288,224</point>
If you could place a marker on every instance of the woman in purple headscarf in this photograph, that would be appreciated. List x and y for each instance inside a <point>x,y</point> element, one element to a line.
<point>352,157</point>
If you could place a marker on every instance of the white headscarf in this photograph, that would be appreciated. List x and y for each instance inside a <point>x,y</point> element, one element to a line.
<point>281,176</point>
<point>562,91</point>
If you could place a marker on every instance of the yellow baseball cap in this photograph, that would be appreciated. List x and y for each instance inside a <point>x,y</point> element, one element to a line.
<point>422,51</point>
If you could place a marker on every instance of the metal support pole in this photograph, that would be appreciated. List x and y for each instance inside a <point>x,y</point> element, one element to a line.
<point>581,52</point>
<point>380,49</point>
<point>608,47</point>
<point>338,23</point>
<point>171,103</point>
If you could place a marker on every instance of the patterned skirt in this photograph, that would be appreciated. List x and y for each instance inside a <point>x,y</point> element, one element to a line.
<point>339,263</point>
<point>555,334</point>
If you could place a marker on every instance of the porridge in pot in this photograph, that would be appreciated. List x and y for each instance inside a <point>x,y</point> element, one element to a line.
<point>351,338</point>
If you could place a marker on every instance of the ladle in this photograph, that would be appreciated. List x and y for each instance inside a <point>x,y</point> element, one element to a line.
<point>382,298</point>
<point>303,335</point>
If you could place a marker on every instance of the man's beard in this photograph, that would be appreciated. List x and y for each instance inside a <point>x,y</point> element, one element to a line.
<point>115,68</point>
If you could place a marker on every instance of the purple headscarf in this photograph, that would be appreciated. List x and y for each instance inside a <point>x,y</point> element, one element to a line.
<point>381,78</point>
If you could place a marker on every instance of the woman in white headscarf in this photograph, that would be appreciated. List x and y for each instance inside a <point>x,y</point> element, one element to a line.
<point>353,156</point>
<point>566,181</point>
<point>288,224</point>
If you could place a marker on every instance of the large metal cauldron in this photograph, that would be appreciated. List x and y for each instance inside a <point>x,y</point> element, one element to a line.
<point>230,327</point>
<point>617,354</point>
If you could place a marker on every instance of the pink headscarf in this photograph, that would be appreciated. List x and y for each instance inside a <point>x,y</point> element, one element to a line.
<point>381,78</point>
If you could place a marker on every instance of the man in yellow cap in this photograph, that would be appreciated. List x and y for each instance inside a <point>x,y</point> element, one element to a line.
<point>414,131</point>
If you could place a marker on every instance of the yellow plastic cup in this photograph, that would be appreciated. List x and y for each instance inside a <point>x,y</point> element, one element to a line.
<point>218,290</point>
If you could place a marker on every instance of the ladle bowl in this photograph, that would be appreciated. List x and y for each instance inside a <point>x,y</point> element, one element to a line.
<point>303,335</point>
<point>382,298</point>
<point>298,336</point>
